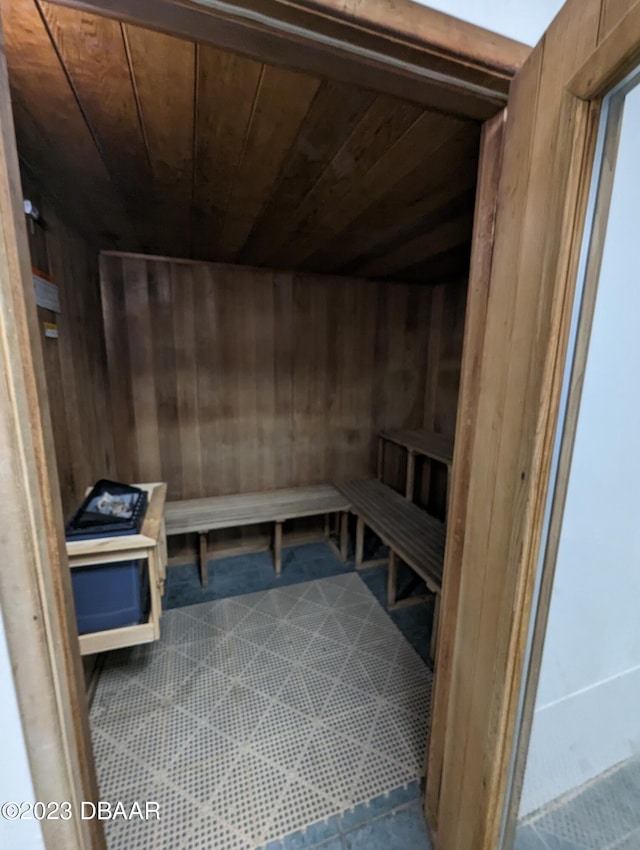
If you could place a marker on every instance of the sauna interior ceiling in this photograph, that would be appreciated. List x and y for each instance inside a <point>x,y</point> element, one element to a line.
<point>152,143</point>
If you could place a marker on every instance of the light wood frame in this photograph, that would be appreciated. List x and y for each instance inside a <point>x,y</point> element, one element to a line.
<point>576,363</point>
<point>500,492</point>
<point>148,545</point>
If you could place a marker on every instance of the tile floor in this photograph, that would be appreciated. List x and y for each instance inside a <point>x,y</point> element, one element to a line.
<point>391,820</point>
<point>249,573</point>
<point>604,814</point>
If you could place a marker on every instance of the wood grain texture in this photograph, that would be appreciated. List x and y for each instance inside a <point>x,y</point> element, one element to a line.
<point>475,323</point>
<point>229,379</point>
<point>94,54</point>
<point>329,38</point>
<point>163,77</point>
<point>75,363</point>
<point>35,591</point>
<point>54,139</point>
<point>612,12</point>
<point>547,157</point>
<point>175,147</point>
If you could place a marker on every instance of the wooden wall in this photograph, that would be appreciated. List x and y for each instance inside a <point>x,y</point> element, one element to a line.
<point>75,363</point>
<point>230,379</point>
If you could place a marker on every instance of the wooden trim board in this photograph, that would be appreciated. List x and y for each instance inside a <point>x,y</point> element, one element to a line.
<point>491,147</point>
<point>547,160</point>
<point>401,48</point>
<point>596,240</point>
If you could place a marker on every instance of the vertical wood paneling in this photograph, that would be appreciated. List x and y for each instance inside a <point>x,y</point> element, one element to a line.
<point>284,446</point>
<point>164,363</point>
<point>140,331</point>
<point>119,367</point>
<point>240,379</point>
<point>185,306</point>
<point>75,363</point>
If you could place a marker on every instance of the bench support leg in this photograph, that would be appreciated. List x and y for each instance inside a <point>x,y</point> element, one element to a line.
<point>359,542</point>
<point>392,579</point>
<point>411,473</point>
<point>277,549</point>
<point>344,535</point>
<point>434,630</point>
<point>204,572</point>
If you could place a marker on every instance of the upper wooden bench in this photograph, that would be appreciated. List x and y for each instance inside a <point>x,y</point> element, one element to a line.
<point>277,506</point>
<point>426,443</point>
<point>409,532</point>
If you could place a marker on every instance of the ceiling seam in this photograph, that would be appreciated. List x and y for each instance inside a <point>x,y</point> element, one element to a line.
<point>136,94</point>
<point>84,115</point>
<point>245,141</point>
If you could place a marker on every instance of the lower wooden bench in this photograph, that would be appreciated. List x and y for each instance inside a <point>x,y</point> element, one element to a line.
<point>277,506</point>
<point>409,532</point>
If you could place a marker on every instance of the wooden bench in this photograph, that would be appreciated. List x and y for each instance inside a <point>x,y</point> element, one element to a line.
<point>277,506</point>
<point>426,443</point>
<point>409,532</point>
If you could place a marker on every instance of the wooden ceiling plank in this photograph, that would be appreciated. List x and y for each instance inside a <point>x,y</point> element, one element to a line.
<point>409,205</point>
<point>385,122</point>
<point>386,48</point>
<point>448,235</point>
<point>226,91</point>
<point>417,227</point>
<point>334,113</point>
<point>163,70</point>
<point>93,52</point>
<point>283,101</point>
<point>51,130</point>
<point>351,192</point>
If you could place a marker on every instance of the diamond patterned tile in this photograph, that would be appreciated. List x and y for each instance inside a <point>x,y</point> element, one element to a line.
<point>246,800</point>
<point>259,715</point>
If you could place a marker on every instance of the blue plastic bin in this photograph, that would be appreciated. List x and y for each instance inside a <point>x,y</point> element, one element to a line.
<point>108,596</point>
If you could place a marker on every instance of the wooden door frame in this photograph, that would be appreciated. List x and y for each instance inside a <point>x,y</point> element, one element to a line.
<point>484,221</point>
<point>35,584</point>
<point>473,818</point>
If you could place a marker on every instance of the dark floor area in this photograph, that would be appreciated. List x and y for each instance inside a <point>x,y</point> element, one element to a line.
<point>249,573</point>
<point>390,822</point>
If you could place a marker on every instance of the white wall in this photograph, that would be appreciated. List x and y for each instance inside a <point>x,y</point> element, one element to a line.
<point>587,714</point>
<point>15,777</point>
<point>523,20</point>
